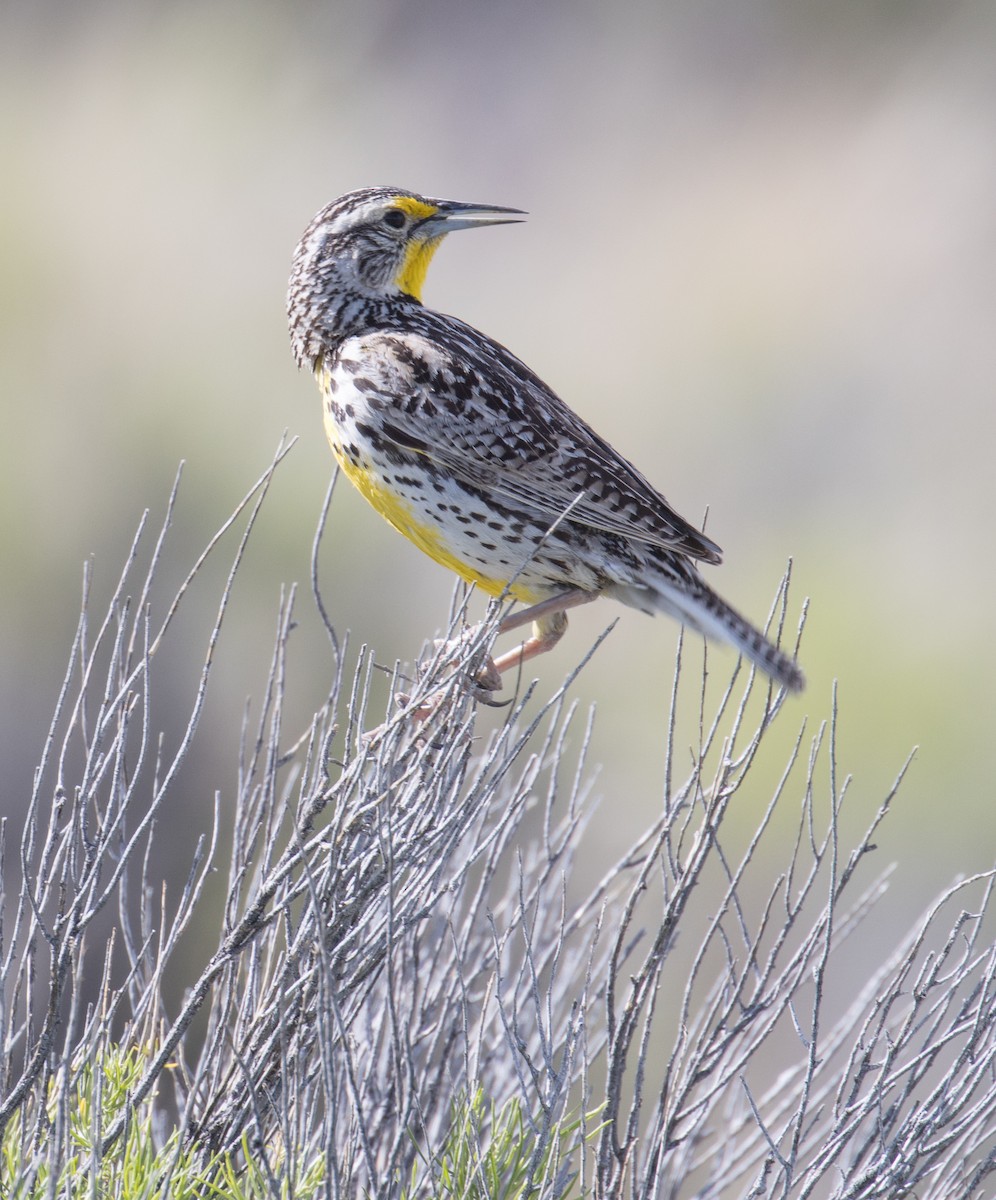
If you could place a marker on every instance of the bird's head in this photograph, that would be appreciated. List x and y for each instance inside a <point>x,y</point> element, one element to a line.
<point>367,246</point>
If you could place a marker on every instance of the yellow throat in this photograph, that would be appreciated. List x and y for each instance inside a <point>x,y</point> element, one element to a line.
<point>418,254</point>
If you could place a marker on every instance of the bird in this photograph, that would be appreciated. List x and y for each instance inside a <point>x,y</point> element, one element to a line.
<point>470,455</point>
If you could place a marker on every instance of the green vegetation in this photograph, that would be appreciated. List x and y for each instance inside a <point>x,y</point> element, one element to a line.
<point>83,1104</point>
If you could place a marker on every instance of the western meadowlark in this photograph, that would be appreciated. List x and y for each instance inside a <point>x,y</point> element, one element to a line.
<point>471,456</point>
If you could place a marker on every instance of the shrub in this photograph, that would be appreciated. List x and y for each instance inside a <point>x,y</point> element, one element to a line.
<point>405,995</point>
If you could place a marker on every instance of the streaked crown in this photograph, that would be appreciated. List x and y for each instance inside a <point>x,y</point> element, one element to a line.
<point>363,255</point>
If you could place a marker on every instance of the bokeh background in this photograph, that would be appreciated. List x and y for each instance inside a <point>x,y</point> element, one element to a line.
<point>761,260</point>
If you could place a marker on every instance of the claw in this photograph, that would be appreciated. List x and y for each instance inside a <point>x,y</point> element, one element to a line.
<point>483,678</point>
<point>486,679</point>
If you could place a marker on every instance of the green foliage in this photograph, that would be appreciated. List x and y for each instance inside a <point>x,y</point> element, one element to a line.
<point>137,1165</point>
<point>488,1153</point>
<point>494,1153</point>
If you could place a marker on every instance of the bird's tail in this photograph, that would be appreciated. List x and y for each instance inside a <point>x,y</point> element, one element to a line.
<point>691,601</point>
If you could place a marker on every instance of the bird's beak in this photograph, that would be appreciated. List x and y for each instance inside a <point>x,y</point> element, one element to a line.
<point>451,215</point>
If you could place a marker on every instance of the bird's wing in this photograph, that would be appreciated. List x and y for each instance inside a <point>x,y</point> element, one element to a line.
<point>451,394</point>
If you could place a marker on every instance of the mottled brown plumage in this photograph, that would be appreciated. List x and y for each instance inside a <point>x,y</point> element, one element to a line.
<point>471,456</point>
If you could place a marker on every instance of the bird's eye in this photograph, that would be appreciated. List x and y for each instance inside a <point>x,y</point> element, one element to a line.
<point>395,218</point>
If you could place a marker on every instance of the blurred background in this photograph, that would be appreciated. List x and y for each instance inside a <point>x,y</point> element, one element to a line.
<point>760,259</point>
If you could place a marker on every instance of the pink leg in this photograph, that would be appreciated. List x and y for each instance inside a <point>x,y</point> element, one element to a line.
<point>549,621</point>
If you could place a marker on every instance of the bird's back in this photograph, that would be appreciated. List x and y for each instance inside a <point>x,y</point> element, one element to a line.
<point>442,396</point>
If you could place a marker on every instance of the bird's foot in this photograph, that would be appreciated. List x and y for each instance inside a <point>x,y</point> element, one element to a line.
<point>481,677</point>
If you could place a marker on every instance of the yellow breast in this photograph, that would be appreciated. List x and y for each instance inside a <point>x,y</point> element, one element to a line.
<point>429,538</point>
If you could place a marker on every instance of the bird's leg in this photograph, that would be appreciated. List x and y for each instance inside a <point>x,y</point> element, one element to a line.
<point>551,606</point>
<point>549,621</point>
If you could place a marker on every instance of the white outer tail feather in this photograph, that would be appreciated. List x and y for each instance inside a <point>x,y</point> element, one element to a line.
<point>697,606</point>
